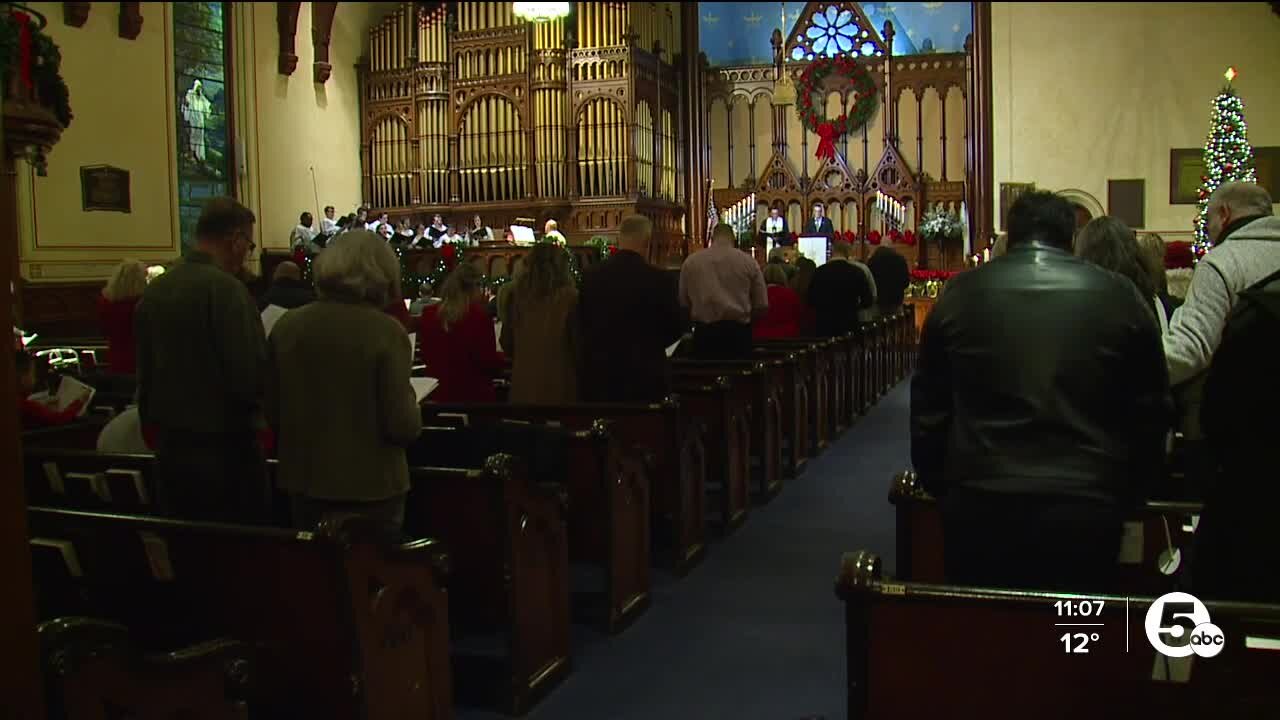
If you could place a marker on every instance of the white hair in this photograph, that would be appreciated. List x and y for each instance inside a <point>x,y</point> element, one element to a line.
<point>1242,198</point>
<point>358,266</point>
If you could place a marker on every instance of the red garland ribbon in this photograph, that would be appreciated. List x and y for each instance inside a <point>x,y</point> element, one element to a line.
<point>24,46</point>
<point>449,254</point>
<point>827,135</point>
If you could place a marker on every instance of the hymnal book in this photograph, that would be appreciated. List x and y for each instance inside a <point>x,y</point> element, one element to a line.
<point>54,476</point>
<point>497,334</point>
<point>270,316</point>
<point>157,556</point>
<point>413,348</point>
<point>68,551</point>
<point>423,386</point>
<point>671,349</point>
<point>126,478</point>
<point>522,235</point>
<point>814,247</point>
<point>69,391</point>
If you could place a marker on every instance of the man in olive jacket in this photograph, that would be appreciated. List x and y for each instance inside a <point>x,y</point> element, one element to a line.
<point>201,360</point>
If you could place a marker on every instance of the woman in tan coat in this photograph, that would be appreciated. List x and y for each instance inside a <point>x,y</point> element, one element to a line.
<point>540,334</point>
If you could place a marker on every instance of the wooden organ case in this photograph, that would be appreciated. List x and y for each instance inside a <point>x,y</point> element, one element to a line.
<point>868,164</point>
<point>468,109</point>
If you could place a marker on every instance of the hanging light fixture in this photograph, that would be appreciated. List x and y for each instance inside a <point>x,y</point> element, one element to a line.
<point>540,11</point>
<point>784,89</point>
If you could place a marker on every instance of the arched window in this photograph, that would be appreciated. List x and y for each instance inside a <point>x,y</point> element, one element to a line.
<point>206,159</point>
<point>833,30</point>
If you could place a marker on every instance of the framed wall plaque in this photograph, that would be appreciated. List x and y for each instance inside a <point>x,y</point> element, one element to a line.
<point>103,187</point>
<point>1186,166</point>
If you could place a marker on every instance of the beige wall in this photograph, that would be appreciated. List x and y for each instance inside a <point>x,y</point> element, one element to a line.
<point>295,124</point>
<point>120,92</point>
<point>1086,92</point>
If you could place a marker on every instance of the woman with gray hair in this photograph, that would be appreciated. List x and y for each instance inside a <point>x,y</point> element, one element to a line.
<point>338,395</point>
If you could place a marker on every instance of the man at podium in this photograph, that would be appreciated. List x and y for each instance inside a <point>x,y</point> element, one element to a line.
<point>775,230</point>
<point>820,224</point>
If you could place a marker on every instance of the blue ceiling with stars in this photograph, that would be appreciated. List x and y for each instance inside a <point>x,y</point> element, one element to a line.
<point>737,33</point>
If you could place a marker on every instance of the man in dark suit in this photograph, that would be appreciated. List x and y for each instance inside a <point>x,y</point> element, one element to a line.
<point>820,224</point>
<point>774,229</point>
<point>838,291</point>
<point>629,314</point>
<point>1039,410</point>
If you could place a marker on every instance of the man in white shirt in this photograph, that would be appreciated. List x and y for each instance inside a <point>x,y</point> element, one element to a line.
<point>302,234</point>
<point>328,226</point>
<point>775,229</point>
<point>381,220</point>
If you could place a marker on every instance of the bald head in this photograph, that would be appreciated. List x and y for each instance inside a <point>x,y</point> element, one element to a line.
<point>287,270</point>
<point>634,234</point>
<point>1233,201</point>
<point>723,235</point>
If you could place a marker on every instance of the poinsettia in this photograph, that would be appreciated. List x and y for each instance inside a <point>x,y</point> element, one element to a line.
<point>895,235</point>
<point>873,237</point>
<point>848,236</point>
<point>909,238</point>
<point>1179,255</point>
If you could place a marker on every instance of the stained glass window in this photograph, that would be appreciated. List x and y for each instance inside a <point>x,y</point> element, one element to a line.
<point>835,31</point>
<point>205,155</point>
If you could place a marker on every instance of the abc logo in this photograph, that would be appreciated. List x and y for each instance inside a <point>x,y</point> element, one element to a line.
<point>1177,625</point>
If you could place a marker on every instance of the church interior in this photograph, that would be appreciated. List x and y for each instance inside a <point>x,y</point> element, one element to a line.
<point>762,535</point>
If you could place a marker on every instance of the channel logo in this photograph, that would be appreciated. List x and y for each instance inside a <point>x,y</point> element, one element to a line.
<point>1178,626</point>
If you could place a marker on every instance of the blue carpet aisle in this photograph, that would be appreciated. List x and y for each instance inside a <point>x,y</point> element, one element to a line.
<point>755,632</point>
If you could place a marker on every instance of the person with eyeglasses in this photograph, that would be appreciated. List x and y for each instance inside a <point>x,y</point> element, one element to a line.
<point>201,365</point>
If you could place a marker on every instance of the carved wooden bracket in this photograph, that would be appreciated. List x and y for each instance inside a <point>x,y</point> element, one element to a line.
<point>75,14</point>
<point>130,20</point>
<point>287,24</point>
<point>321,26</point>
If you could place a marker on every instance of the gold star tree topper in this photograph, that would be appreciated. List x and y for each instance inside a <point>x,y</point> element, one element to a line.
<point>1230,74</point>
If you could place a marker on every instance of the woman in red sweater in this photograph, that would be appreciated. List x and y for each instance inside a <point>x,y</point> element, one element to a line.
<point>115,310</point>
<point>785,308</point>
<point>459,346</point>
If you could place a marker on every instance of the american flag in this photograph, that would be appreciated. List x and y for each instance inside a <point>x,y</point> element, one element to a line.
<point>713,219</point>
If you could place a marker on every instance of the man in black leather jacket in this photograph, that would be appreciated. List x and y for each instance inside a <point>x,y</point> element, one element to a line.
<point>1039,409</point>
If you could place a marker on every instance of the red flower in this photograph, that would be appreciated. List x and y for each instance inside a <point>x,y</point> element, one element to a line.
<point>895,235</point>
<point>848,236</point>
<point>909,238</point>
<point>874,237</point>
<point>795,238</point>
<point>613,249</point>
<point>1179,255</point>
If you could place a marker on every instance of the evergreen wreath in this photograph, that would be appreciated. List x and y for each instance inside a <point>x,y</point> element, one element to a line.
<point>18,35</point>
<point>813,79</point>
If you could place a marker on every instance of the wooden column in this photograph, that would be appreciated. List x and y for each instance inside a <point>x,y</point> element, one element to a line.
<point>321,26</point>
<point>287,27</point>
<point>943,96</point>
<point>694,120</point>
<point>982,221</point>
<point>21,683</point>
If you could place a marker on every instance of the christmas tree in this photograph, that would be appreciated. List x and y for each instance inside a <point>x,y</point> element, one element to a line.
<point>1227,155</point>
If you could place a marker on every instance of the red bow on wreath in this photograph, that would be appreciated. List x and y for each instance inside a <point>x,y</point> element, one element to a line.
<point>827,135</point>
<point>23,21</point>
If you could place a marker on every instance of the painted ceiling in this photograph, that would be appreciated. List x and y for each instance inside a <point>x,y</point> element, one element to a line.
<point>737,33</point>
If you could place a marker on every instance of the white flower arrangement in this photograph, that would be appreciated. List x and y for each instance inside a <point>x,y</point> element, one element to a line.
<point>940,224</point>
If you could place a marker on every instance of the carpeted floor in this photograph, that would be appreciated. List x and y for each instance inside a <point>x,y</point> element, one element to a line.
<point>755,632</point>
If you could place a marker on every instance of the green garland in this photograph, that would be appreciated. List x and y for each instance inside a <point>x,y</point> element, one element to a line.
<point>46,61</point>
<point>812,81</point>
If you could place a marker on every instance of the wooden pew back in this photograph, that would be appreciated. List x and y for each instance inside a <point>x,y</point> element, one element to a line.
<point>1151,536</point>
<point>345,628</point>
<point>919,650</point>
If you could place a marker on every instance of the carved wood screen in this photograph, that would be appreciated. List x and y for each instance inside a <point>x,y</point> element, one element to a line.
<point>469,109</point>
<point>757,147</point>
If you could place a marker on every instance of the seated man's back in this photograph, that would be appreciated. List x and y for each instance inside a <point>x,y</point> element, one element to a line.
<point>1039,410</point>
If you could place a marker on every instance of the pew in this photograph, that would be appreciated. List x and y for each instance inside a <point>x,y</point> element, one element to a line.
<point>917,650</point>
<point>509,577</point>
<point>89,480</point>
<point>344,628</point>
<point>823,368</point>
<point>90,664</point>
<point>811,384</point>
<point>608,509</point>
<point>1153,534</point>
<point>81,434</point>
<point>724,418</point>
<point>661,433</point>
<point>753,397</point>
